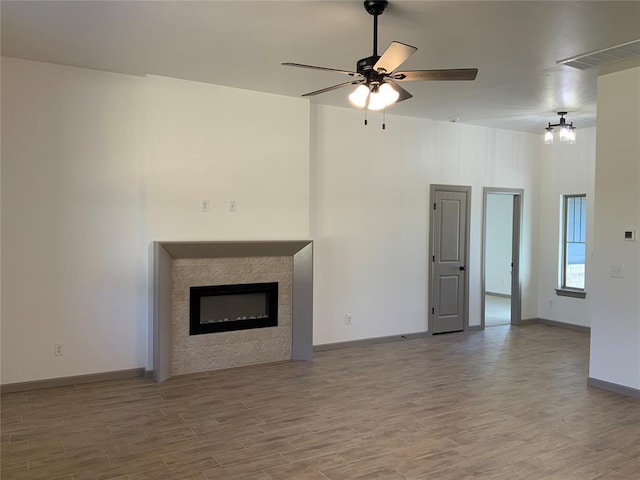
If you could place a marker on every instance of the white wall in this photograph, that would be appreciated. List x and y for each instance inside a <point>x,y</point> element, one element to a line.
<point>566,169</point>
<point>615,322</point>
<point>221,144</point>
<point>485,157</point>
<point>72,221</point>
<point>370,229</point>
<point>499,241</point>
<point>98,165</point>
<point>371,214</point>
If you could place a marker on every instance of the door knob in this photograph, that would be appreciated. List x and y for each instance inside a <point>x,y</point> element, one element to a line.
<point>462,267</point>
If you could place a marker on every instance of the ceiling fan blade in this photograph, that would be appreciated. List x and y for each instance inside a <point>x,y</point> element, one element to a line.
<point>428,75</point>
<point>334,87</point>
<point>404,95</point>
<point>326,69</point>
<point>396,54</point>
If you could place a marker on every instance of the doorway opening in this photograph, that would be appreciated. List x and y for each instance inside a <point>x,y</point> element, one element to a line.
<point>501,257</point>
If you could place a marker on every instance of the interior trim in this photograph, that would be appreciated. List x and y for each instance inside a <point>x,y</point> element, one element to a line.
<point>74,380</point>
<point>565,292</point>
<point>613,387</point>
<point>527,321</point>
<point>571,326</point>
<point>555,323</point>
<point>516,247</point>
<point>369,341</point>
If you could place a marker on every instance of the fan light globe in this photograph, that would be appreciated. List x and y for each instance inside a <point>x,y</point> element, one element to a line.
<point>548,136</point>
<point>359,96</point>
<point>376,101</point>
<point>382,96</point>
<point>389,94</point>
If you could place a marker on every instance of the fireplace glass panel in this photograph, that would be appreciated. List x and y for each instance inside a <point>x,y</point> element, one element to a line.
<point>222,308</point>
<point>227,308</point>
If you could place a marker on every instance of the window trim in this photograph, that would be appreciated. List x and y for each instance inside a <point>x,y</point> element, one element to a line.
<point>564,290</point>
<point>571,292</point>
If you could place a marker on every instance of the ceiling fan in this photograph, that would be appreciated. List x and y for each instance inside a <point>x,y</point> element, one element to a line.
<point>377,77</point>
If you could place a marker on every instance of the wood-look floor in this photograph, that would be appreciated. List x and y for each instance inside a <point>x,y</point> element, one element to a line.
<point>506,403</point>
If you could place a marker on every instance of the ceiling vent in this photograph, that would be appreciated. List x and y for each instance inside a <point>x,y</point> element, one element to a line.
<point>605,56</point>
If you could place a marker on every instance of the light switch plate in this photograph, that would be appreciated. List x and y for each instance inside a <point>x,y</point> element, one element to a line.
<point>616,271</point>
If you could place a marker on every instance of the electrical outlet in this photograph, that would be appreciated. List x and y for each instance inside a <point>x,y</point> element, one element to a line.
<point>57,349</point>
<point>204,205</point>
<point>233,206</point>
<point>348,319</point>
<point>550,303</point>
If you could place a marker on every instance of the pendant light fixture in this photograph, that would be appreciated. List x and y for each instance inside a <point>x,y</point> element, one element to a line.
<point>567,132</point>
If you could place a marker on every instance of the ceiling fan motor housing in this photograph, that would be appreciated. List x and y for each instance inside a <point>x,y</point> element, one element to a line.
<point>375,7</point>
<point>366,64</point>
<point>365,68</point>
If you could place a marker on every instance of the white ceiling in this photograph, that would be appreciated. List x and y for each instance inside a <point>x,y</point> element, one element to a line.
<point>514,44</point>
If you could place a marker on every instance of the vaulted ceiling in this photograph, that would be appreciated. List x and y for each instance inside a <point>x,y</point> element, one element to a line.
<point>514,44</point>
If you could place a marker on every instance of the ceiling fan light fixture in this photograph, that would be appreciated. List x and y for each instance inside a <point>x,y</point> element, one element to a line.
<point>376,75</point>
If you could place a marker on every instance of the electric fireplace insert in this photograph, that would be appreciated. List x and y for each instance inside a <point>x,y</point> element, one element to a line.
<point>223,308</point>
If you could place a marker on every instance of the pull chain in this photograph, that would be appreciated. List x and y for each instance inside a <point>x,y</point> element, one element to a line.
<point>365,116</point>
<point>384,125</point>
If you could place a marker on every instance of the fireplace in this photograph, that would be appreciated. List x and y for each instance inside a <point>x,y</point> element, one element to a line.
<point>177,266</point>
<point>223,308</point>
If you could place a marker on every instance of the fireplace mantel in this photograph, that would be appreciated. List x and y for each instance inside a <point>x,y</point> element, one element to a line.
<point>161,302</point>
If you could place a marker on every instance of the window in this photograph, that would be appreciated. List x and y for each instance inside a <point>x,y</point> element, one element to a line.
<point>574,241</point>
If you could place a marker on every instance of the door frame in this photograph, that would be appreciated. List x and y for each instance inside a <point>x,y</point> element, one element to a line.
<point>516,247</point>
<point>431,300</point>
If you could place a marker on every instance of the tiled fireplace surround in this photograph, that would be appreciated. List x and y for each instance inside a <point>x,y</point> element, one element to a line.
<point>179,265</point>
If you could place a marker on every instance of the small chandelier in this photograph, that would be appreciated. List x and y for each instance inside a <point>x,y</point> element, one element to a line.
<point>567,131</point>
<point>374,96</point>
